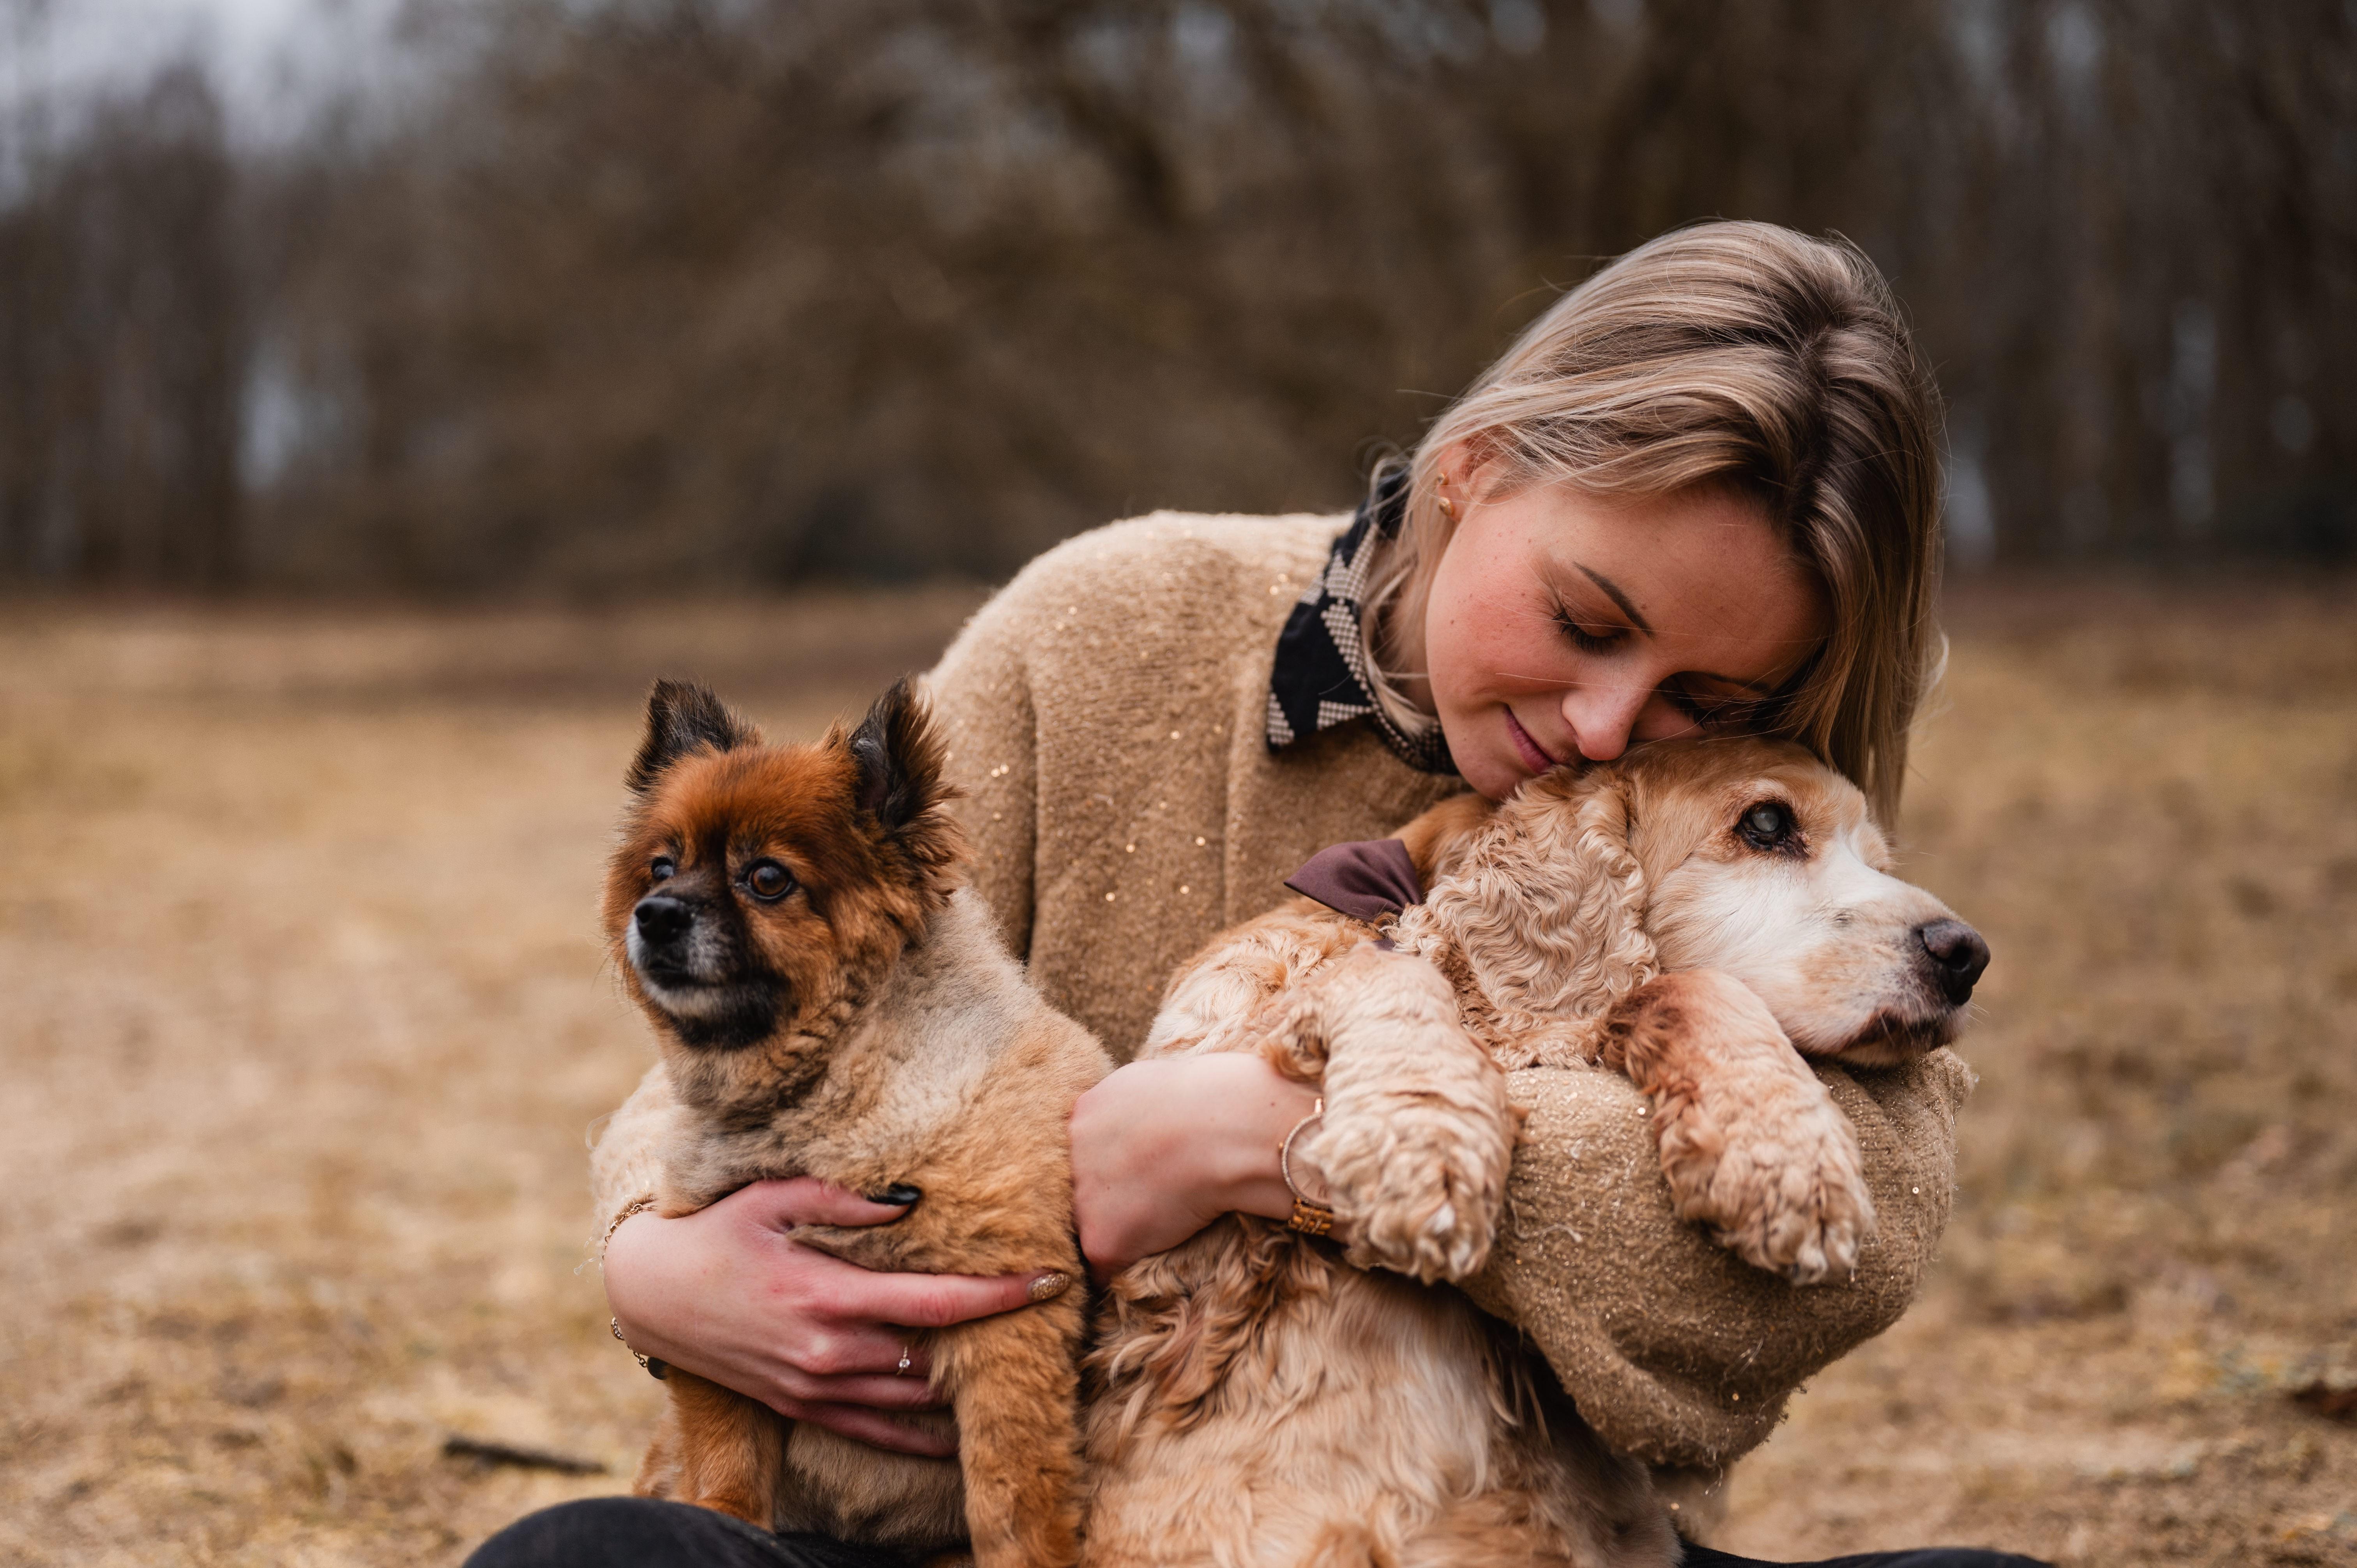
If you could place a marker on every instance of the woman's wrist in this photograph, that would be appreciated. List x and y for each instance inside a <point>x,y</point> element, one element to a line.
<point>619,1257</point>
<point>1268,1105</point>
<point>643,1204</point>
<point>1162,1148</point>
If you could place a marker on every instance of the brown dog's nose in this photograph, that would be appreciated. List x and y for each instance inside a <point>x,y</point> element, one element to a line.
<point>1958,956</point>
<point>663,921</point>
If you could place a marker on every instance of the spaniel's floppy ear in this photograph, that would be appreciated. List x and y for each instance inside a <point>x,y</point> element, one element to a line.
<point>1550,905</point>
<point>682,717</point>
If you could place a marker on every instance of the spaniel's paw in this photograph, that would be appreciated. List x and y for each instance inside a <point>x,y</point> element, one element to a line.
<point>1782,1188</point>
<point>1418,1131</point>
<point>1417,1179</point>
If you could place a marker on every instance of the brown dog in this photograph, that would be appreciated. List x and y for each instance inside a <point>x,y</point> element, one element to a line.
<point>832,1003</point>
<point>1255,1401</point>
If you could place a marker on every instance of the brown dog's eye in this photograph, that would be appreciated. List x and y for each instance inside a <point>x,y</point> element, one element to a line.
<point>663,868</point>
<point>1767,825</point>
<point>768,881</point>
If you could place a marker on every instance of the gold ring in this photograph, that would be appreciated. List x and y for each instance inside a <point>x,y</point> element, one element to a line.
<point>908,1358</point>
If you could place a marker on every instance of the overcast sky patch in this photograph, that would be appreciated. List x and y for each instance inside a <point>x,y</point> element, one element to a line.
<point>272,60</point>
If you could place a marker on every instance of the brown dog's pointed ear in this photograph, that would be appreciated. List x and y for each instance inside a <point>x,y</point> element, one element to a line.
<point>898,750</point>
<point>682,717</point>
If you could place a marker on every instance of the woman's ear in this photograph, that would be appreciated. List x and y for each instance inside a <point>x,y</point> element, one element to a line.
<point>1462,466</point>
<point>1549,906</point>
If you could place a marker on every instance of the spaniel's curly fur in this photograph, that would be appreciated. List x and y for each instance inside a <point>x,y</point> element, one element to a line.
<point>1255,1399</point>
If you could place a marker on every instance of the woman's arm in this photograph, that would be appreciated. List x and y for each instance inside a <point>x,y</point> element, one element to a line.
<point>1162,1148</point>
<point>728,1294</point>
<point>1674,1349</point>
<point>981,699</point>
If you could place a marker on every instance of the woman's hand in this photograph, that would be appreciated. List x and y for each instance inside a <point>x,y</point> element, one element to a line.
<point>725,1294</point>
<point>1162,1148</point>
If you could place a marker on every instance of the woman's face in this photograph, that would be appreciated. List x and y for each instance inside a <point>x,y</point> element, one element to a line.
<point>1564,625</point>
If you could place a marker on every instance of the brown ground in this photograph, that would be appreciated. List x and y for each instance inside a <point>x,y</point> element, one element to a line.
<point>305,1024</point>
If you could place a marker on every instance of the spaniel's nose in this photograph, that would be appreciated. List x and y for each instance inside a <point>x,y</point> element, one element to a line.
<point>1958,956</point>
<point>663,921</point>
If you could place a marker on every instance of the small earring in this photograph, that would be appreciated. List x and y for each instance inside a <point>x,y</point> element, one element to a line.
<point>1447,506</point>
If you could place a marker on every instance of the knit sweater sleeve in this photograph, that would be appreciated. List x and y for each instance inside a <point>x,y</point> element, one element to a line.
<point>1675,1350</point>
<point>981,692</point>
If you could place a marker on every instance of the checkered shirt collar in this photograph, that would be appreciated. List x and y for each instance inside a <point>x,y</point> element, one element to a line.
<point>1321,679</point>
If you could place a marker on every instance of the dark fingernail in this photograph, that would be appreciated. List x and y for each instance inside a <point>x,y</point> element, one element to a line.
<point>899,1195</point>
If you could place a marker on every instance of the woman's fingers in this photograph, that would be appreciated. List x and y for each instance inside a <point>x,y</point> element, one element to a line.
<point>885,1393</point>
<point>936,1301</point>
<point>875,1427</point>
<point>806,1200</point>
<point>727,1294</point>
<point>838,1349</point>
<point>854,1294</point>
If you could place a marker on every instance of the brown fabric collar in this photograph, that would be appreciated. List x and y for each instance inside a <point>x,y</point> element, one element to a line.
<point>1370,879</point>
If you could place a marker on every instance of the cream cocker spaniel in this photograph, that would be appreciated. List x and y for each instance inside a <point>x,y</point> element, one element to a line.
<point>1702,916</point>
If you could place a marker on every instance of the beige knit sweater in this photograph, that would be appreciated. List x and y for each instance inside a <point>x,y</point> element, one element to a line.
<point>1106,712</point>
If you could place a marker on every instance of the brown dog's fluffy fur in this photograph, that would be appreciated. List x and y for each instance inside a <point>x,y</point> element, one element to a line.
<point>1689,916</point>
<point>832,1003</point>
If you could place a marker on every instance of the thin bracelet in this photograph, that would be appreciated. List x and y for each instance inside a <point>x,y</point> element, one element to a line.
<point>656,1367</point>
<point>631,1210</point>
<point>1309,1218</point>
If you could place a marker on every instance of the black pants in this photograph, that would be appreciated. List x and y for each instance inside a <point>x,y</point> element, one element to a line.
<point>640,1533</point>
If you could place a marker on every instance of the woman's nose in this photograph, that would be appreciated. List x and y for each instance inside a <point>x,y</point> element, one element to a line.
<point>1602,715</point>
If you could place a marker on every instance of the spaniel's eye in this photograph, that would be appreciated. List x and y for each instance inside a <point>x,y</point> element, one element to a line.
<point>768,880</point>
<point>663,868</point>
<point>1767,825</point>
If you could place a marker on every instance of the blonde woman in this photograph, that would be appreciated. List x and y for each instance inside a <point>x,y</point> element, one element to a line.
<point>1700,493</point>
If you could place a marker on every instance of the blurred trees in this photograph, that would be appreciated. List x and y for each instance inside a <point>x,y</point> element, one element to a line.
<point>122,350</point>
<point>741,290</point>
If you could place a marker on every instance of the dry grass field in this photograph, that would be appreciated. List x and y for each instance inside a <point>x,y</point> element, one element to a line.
<point>305,1024</point>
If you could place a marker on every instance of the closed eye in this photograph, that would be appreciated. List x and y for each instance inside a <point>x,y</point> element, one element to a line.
<point>1590,639</point>
<point>1736,713</point>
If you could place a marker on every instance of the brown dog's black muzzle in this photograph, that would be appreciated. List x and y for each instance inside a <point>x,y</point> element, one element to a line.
<point>662,920</point>
<point>1958,956</point>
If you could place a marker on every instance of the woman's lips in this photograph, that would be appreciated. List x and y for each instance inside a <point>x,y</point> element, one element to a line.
<point>1532,756</point>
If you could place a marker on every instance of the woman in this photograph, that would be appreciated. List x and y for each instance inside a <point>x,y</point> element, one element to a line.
<point>1700,493</point>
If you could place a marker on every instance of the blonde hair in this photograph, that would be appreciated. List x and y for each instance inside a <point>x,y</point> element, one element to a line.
<point>1746,356</point>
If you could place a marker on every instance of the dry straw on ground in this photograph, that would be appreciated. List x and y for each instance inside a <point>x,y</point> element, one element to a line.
<point>306,1024</point>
